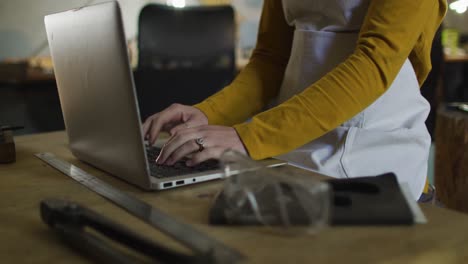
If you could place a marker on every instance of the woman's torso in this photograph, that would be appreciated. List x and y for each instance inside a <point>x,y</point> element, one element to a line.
<point>387,136</point>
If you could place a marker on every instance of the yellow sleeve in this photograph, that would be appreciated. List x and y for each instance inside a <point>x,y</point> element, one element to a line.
<point>259,82</point>
<point>390,31</point>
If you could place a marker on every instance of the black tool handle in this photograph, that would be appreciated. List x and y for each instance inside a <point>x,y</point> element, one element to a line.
<point>70,219</point>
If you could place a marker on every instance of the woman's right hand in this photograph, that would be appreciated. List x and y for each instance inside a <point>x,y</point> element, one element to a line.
<point>172,119</point>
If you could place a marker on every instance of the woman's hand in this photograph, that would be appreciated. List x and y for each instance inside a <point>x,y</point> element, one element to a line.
<point>172,119</point>
<point>203,142</point>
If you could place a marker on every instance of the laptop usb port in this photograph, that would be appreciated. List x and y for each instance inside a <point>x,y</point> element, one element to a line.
<point>167,184</point>
<point>179,182</point>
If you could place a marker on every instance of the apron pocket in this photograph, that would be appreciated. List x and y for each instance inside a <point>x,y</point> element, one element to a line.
<point>402,151</point>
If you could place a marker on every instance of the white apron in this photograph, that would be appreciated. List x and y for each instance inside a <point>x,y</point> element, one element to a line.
<point>389,135</point>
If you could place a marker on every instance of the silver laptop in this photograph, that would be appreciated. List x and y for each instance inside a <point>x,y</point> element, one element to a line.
<point>98,99</point>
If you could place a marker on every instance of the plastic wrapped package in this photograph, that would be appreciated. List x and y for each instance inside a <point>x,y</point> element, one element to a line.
<point>272,196</point>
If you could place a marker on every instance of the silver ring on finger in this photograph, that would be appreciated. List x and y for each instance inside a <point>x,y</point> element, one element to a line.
<point>200,142</point>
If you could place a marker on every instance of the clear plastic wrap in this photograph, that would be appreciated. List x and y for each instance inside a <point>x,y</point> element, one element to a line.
<point>272,196</point>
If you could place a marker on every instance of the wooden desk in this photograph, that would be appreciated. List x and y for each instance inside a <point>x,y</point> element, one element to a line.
<point>25,239</point>
<point>455,58</point>
<point>27,70</point>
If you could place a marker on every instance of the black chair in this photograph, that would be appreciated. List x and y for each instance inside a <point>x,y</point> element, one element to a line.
<point>184,55</point>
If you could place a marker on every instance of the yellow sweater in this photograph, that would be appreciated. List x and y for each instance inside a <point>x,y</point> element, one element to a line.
<point>392,32</point>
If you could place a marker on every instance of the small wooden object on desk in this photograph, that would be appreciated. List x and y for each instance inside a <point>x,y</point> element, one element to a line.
<point>7,147</point>
<point>451,160</point>
<point>7,144</point>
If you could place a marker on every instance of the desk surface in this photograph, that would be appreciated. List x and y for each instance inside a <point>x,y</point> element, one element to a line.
<point>456,58</point>
<point>25,239</point>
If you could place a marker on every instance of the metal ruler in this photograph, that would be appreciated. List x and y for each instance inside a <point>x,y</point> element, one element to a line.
<point>183,233</point>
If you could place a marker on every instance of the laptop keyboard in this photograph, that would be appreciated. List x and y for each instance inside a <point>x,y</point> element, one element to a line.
<point>178,169</point>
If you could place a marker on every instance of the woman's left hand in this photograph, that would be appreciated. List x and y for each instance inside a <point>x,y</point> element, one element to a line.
<point>203,142</point>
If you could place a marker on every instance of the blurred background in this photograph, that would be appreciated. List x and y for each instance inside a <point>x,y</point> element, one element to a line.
<point>23,35</point>
<point>28,94</point>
